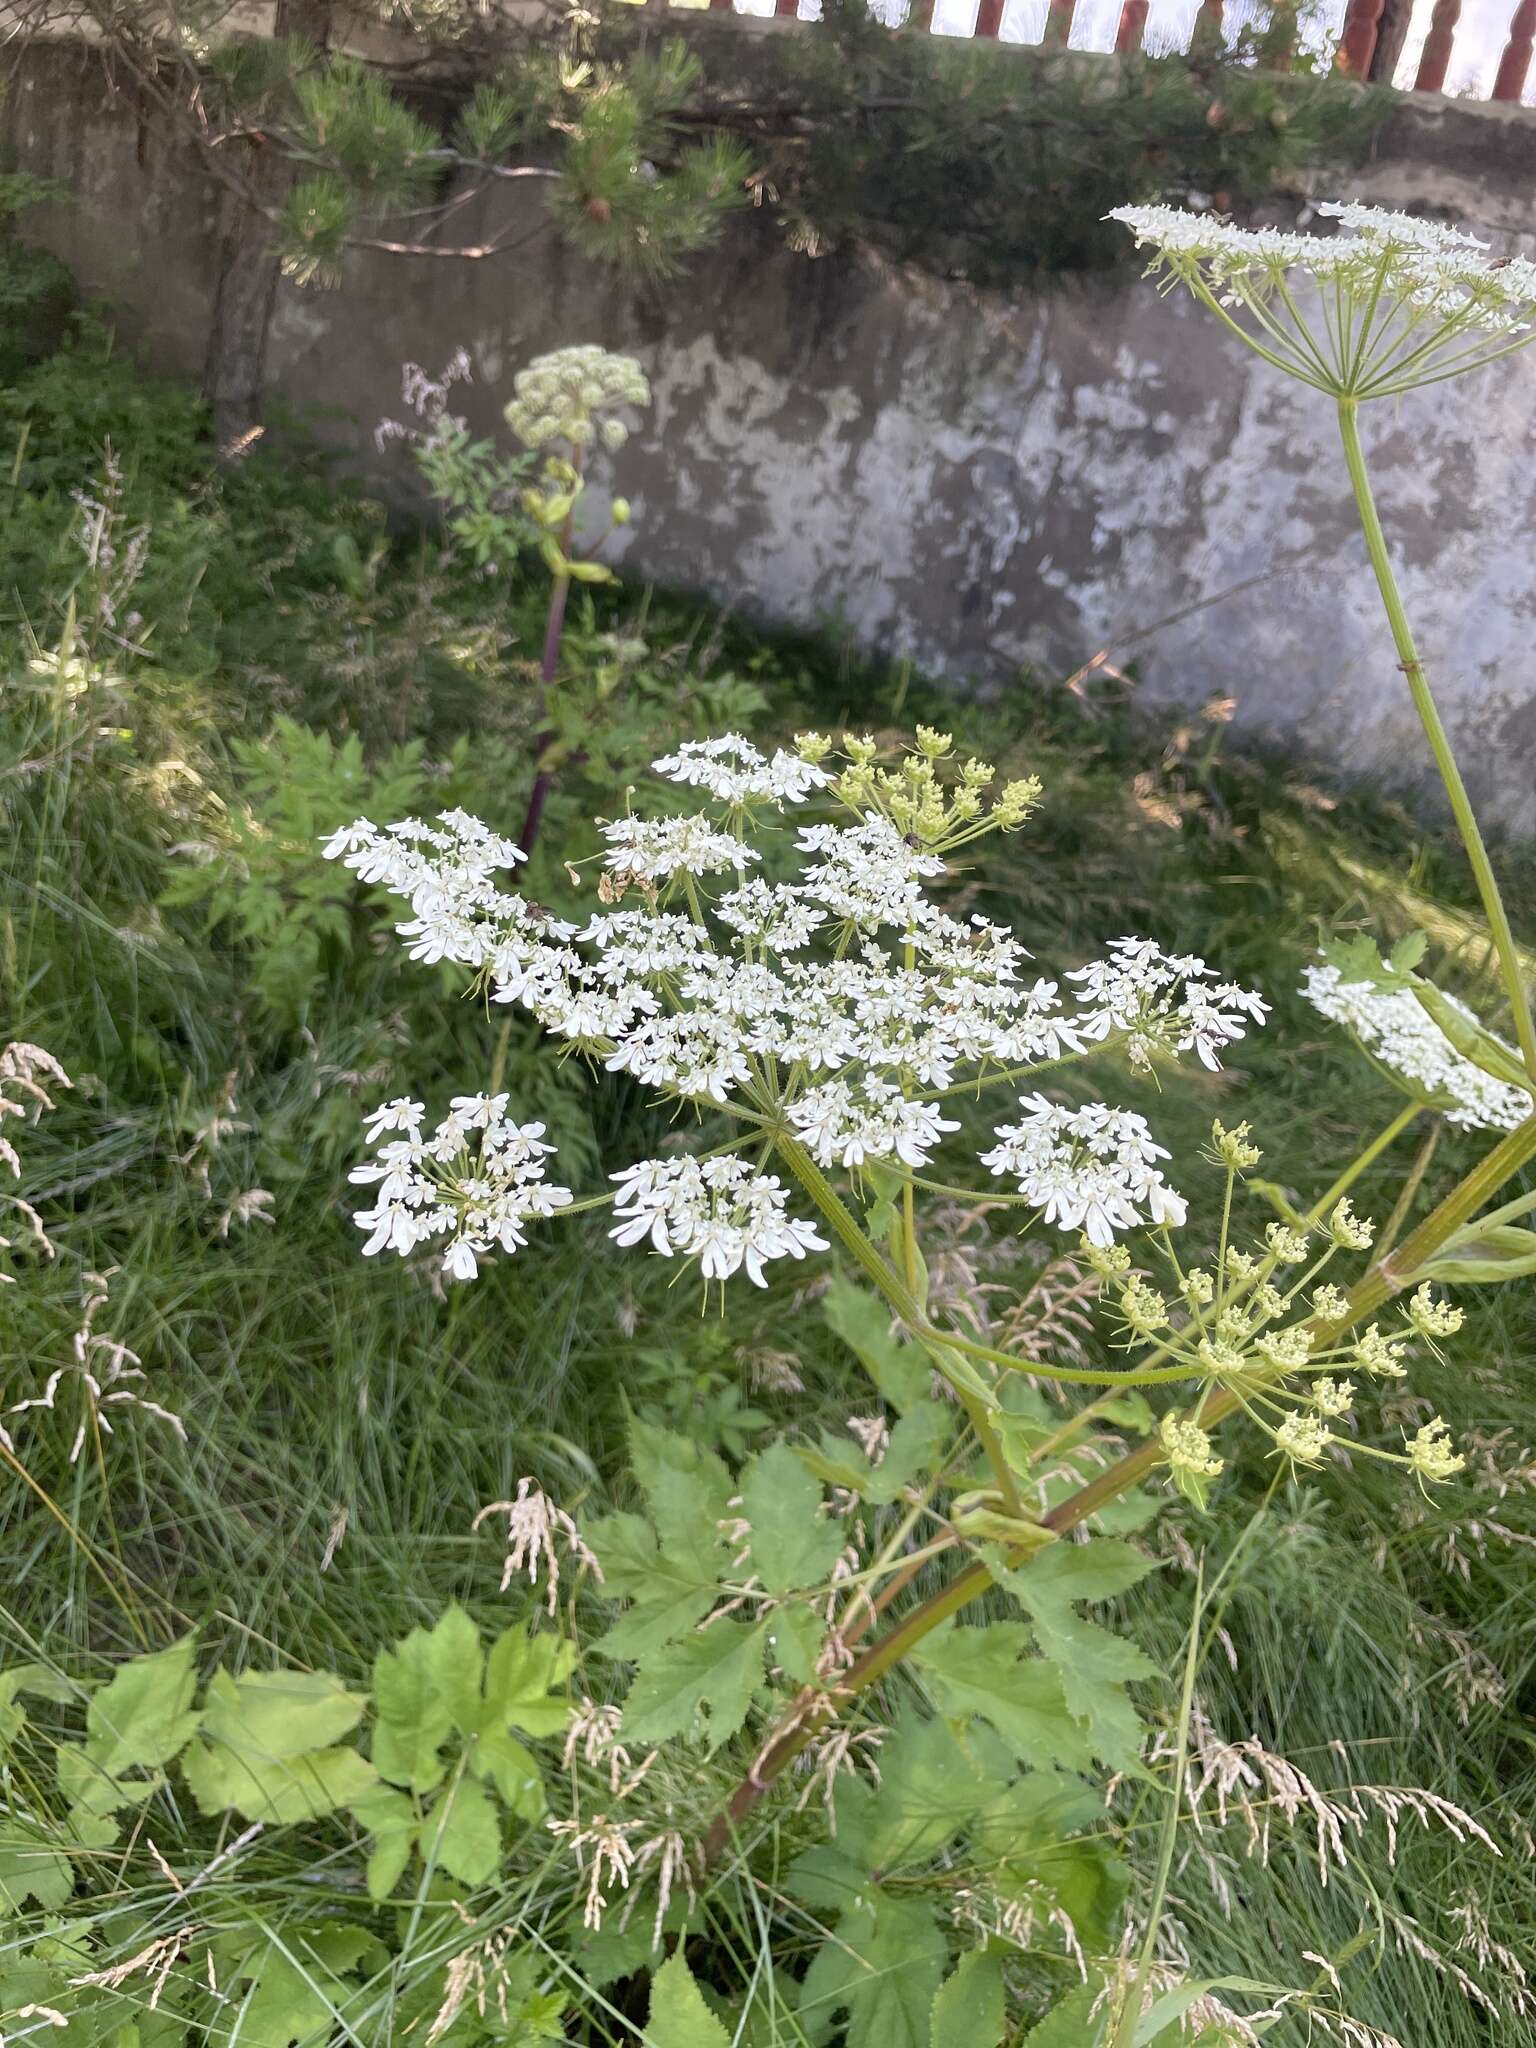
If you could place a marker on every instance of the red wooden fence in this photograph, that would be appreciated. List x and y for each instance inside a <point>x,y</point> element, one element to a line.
<point>1357,40</point>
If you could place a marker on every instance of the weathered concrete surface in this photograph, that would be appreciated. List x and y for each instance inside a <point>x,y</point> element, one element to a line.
<point>972,483</point>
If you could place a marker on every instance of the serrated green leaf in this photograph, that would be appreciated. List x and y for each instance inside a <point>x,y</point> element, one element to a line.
<point>1408,952</point>
<point>917,1440</point>
<point>1097,1570</point>
<point>31,1867</point>
<point>522,1672</point>
<point>836,1463</point>
<point>929,1788</point>
<point>296,1989</point>
<point>462,1836</point>
<point>1072,2024</point>
<point>424,1689</point>
<point>678,2016</point>
<point>699,1687</point>
<point>284,1789</point>
<point>143,1717</point>
<point>828,1878</point>
<point>92,1791</point>
<point>671,1594</point>
<point>686,1486</point>
<point>892,1958</point>
<point>391,1819</point>
<point>984,1670</point>
<point>793,1543</point>
<point>512,1769</point>
<point>27,1678</point>
<point>275,1714</point>
<point>1032,1836</point>
<point>969,2006</point>
<point>901,1371</point>
<point>795,1639</point>
<point>1093,1664</point>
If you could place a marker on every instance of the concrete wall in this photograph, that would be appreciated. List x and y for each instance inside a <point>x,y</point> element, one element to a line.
<point>974,483</point>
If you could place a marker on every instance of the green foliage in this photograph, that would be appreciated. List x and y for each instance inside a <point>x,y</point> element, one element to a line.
<point>997,165</point>
<point>346,1424</point>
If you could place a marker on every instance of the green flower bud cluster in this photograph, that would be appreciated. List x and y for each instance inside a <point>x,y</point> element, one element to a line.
<point>935,799</point>
<point>1259,1324</point>
<point>560,397</point>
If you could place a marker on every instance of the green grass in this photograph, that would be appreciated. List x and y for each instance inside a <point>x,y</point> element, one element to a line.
<point>345,1422</point>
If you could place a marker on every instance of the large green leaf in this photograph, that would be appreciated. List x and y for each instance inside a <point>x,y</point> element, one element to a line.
<point>394,1823</point>
<point>699,1687</point>
<point>969,2008</point>
<point>883,1966</point>
<point>983,1670</point>
<point>142,1717</point>
<point>916,1442</point>
<point>297,1983</point>
<point>901,1371</point>
<point>678,2017</point>
<point>793,1543</point>
<point>283,1789</point>
<point>27,1678</point>
<point>1072,2023</point>
<point>929,1788</point>
<point>463,1836</point>
<point>1094,1665</point>
<point>31,1867</point>
<point>512,1769</point>
<point>687,1487</point>
<point>670,1594</point>
<point>424,1689</point>
<point>279,1713</point>
<point>522,1672</point>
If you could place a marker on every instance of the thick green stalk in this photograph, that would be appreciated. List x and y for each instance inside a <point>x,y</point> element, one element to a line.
<point>1386,1279</point>
<point>1439,741</point>
<point>846,1229</point>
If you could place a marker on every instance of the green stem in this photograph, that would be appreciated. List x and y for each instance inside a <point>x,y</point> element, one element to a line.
<point>1439,741</point>
<point>1130,2013</point>
<point>905,1303</point>
<point>1385,1279</point>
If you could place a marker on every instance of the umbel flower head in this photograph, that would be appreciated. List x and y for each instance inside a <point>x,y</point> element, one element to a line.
<point>1394,1028</point>
<point>1383,304</point>
<point>822,1018</point>
<point>574,396</point>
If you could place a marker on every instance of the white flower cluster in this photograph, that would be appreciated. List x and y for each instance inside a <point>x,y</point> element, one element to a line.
<point>848,1123</point>
<point>836,1005</point>
<point>559,397</point>
<point>1394,1026</point>
<point>1091,1169</point>
<point>474,1182</point>
<point>1164,1001</point>
<point>717,1211</point>
<point>1392,258</point>
<point>734,771</point>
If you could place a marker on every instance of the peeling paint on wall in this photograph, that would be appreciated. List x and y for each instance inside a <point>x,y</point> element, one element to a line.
<point>976,484</point>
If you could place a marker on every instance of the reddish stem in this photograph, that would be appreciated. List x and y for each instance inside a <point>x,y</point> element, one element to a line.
<point>554,626</point>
